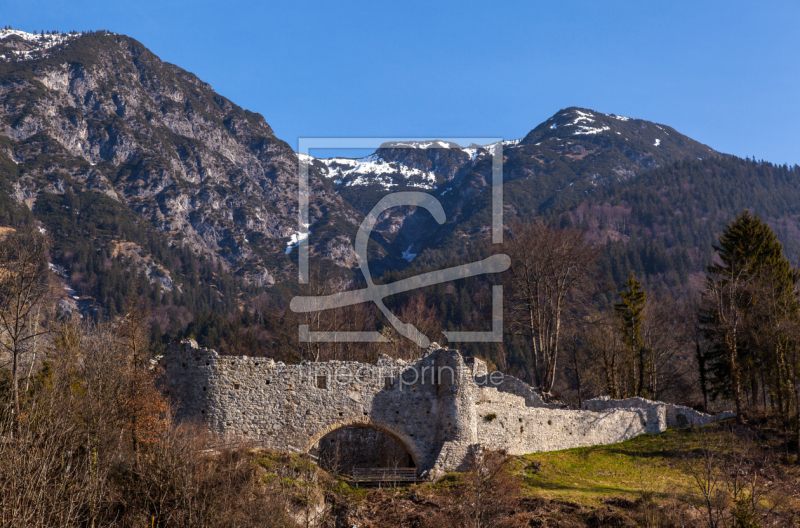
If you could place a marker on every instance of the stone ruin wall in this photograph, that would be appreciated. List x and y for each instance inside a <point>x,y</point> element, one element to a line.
<point>285,407</point>
<point>289,407</point>
<point>505,422</point>
<point>508,384</point>
<point>677,415</point>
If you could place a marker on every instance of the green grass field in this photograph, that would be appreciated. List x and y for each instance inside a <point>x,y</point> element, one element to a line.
<point>648,464</point>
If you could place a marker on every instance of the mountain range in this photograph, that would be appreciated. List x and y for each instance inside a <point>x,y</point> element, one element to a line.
<point>152,183</point>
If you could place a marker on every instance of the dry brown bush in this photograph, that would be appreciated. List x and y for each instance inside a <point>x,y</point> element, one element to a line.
<point>95,445</point>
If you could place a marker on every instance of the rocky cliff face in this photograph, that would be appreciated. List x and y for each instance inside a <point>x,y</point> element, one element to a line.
<point>99,113</point>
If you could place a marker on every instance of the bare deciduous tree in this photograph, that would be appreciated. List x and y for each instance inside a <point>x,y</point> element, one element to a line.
<point>23,287</point>
<point>668,333</point>
<point>728,477</point>
<point>551,272</point>
<point>359,317</point>
<point>424,316</point>
<point>726,298</point>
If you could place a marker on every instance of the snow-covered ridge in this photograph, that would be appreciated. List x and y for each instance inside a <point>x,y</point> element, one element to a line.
<point>374,169</point>
<point>510,143</point>
<point>45,40</point>
<point>38,41</point>
<point>420,144</point>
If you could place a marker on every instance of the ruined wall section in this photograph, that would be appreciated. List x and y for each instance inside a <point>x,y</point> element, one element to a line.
<point>506,422</point>
<point>457,421</point>
<point>192,381</point>
<point>437,417</point>
<point>291,407</point>
<point>677,415</point>
<point>508,384</point>
<point>511,385</point>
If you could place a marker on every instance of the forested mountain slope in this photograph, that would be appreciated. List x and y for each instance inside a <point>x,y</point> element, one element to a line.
<point>663,224</point>
<point>154,186</point>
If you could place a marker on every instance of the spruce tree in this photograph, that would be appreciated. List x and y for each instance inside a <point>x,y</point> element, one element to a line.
<point>631,316</point>
<point>749,243</point>
<point>749,284</point>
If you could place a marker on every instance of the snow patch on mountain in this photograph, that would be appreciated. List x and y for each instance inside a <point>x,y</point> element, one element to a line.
<point>582,116</point>
<point>305,158</point>
<point>38,42</point>
<point>472,153</point>
<point>58,270</point>
<point>295,239</point>
<point>510,143</point>
<point>657,143</point>
<point>585,130</point>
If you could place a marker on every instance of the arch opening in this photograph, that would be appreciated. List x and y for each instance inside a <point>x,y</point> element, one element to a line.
<point>350,447</point>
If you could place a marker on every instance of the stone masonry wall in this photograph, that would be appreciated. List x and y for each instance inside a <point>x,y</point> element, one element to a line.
<point>506,383</point>
<point>291,407</point>
<point>505,422</point>
<point>677,415</point>
<point>438,418</point>
<point>458,430</point>
<point>511,385</point>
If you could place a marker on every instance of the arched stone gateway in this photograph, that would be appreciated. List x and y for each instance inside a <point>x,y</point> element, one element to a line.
<point>438,407</point>
<point>402,438</point>
<point>358,446</point>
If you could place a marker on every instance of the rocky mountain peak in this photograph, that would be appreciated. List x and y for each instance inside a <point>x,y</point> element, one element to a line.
<point>643,142</point>
<point>97,114</point>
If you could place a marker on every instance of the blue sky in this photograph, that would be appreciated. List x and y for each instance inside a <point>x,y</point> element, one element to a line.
<point>724,73</point>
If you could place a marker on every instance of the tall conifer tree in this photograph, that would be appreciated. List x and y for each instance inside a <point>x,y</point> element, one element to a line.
<point>746,287</point>
<point>631,316</point>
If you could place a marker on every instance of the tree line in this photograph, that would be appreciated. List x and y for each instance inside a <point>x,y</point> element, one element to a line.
<point>732,342</point>
<point>735,341</point>
<point>87,437</point>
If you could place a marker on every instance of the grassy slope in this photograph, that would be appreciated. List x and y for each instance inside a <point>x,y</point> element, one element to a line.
<point>643,481</point>
<point>587,475</point>
<point>646,464</point>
